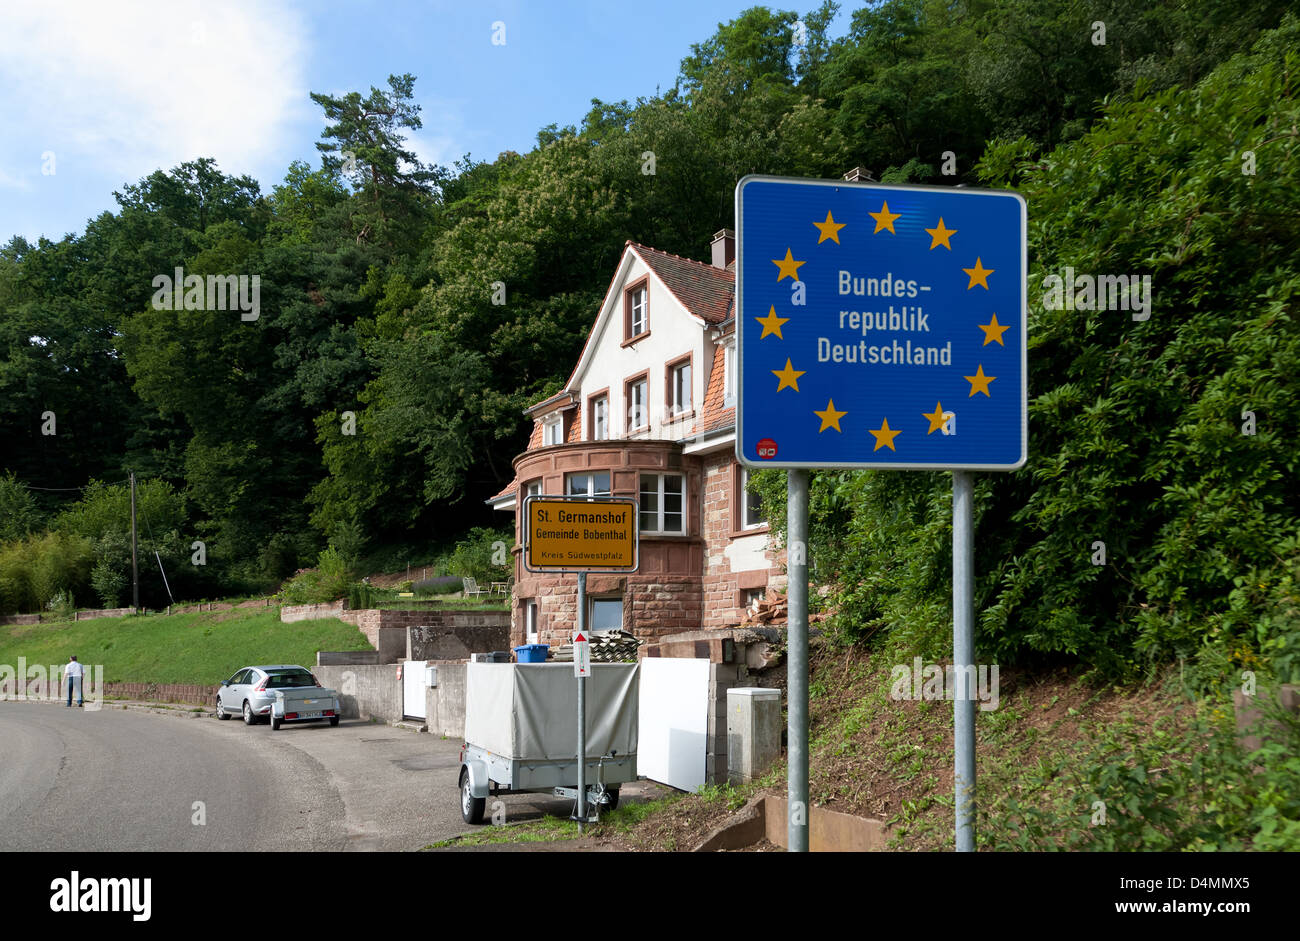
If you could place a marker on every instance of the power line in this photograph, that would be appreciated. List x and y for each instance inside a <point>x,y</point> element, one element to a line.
<point>109,483</point>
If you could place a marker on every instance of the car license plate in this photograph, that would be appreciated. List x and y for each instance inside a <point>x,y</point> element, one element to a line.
<point>309,715</point>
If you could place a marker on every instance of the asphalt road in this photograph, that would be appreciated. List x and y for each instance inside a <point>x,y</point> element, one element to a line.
<point>119,780</point>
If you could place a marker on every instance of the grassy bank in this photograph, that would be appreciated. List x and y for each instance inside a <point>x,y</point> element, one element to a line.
<point>1062,765</point>
<point>201,647</point>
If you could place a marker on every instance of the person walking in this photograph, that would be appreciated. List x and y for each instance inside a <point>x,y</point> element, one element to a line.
<point>72,674</point>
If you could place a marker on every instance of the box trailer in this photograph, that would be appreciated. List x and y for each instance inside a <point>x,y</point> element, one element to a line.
<point>521,732</point>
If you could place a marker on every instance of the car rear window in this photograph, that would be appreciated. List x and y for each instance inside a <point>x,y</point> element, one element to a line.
<point>289,680</point>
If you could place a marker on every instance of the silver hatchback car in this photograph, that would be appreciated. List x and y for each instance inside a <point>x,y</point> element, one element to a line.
<point>251,691</point>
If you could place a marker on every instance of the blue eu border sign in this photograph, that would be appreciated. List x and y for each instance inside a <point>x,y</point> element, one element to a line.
<point>880,326</point>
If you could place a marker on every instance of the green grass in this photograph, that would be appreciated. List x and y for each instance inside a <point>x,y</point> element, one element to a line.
<point>202,647</point>
<point>546,830</point>
<point>554,829</point>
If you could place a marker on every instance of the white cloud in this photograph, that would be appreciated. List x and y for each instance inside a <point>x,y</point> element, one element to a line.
<point>133,87</point>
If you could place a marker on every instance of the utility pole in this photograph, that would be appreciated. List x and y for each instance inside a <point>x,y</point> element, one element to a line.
<point>135,573</point>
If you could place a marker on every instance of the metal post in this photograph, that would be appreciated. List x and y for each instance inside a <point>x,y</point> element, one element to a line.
<point>797,646</point>
<point>135,574</point>
<point>963,656</point>
<point>582,709</point>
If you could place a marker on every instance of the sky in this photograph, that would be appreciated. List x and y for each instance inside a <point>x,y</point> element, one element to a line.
<point>100,93</point>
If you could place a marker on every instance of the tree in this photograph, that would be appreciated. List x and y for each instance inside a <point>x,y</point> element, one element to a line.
<point>364,143</point>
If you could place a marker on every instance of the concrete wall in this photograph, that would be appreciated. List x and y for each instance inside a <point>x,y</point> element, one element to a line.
<point>445,703</point>
<point>101,613</point>
<point>366,691</point>
<point>443,633</point>
<point>454,635</point>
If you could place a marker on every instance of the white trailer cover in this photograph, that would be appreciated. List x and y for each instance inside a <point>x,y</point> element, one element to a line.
<point>530,710</point>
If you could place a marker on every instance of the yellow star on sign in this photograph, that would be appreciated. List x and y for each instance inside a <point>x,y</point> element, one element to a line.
<point>830,229</point>
<point>940,235</point>
<point>993,331</point>
<point>978,275</point>
<point>980,382</point>
<point>885,436</point>
<point>788,266</point>
<point>788,376</point>
<point>937,418</point>
<point>771,324</point>
<point>830,418</point>
<point>884,218</point>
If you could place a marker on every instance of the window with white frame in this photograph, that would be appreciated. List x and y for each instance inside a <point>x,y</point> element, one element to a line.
<point>600,418</point>
<point>638,416</point>
<point>679,387</point>
<point>751,505</point>
<point>637,319</point>
<point>530,623</point>
<point>663,503</point>
<point>534,488</point>
<point>552,430</point>
<point>587,485</point>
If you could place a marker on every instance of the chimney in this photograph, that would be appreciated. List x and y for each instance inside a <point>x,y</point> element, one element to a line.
<point>724,248</point>
<point>859,175</point>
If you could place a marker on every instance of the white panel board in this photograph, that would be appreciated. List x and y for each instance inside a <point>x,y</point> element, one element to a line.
<point>414,705</point>
<point>674,721</point>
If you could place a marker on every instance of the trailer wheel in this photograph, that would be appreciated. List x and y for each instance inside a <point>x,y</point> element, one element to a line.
<point>612,794</point>
<point>275,723</point>
<point>471,807</point>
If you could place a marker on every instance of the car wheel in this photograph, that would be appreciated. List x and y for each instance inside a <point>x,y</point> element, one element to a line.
<point>334,720</point>
<point>221,710</point>
<point>471,807</point>
<point>275,723</point>
<point>249,718</point>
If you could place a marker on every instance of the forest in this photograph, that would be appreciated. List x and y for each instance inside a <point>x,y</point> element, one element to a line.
<point>376,399</point>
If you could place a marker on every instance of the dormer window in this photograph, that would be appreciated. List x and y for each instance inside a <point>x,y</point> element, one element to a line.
<point>729,375</point>
<point>552,430</point>
<point>636,310</point>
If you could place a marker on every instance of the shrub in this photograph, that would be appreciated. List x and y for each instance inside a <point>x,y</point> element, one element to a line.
<point>484,555</point>
<point>109,582</point>
<point>329,581</point>
<point>35,569</point>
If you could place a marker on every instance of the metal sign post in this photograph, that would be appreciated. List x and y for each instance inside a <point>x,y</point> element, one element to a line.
<point>797,669</point>
<point>880,327</point>
<point>582,707</point>
<point>963,657</point>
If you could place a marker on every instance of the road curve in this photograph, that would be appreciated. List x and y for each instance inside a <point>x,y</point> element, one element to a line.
<point>74,780</point>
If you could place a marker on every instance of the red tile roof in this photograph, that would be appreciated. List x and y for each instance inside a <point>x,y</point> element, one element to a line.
<point>714,416</point>
<point>702,289</point>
